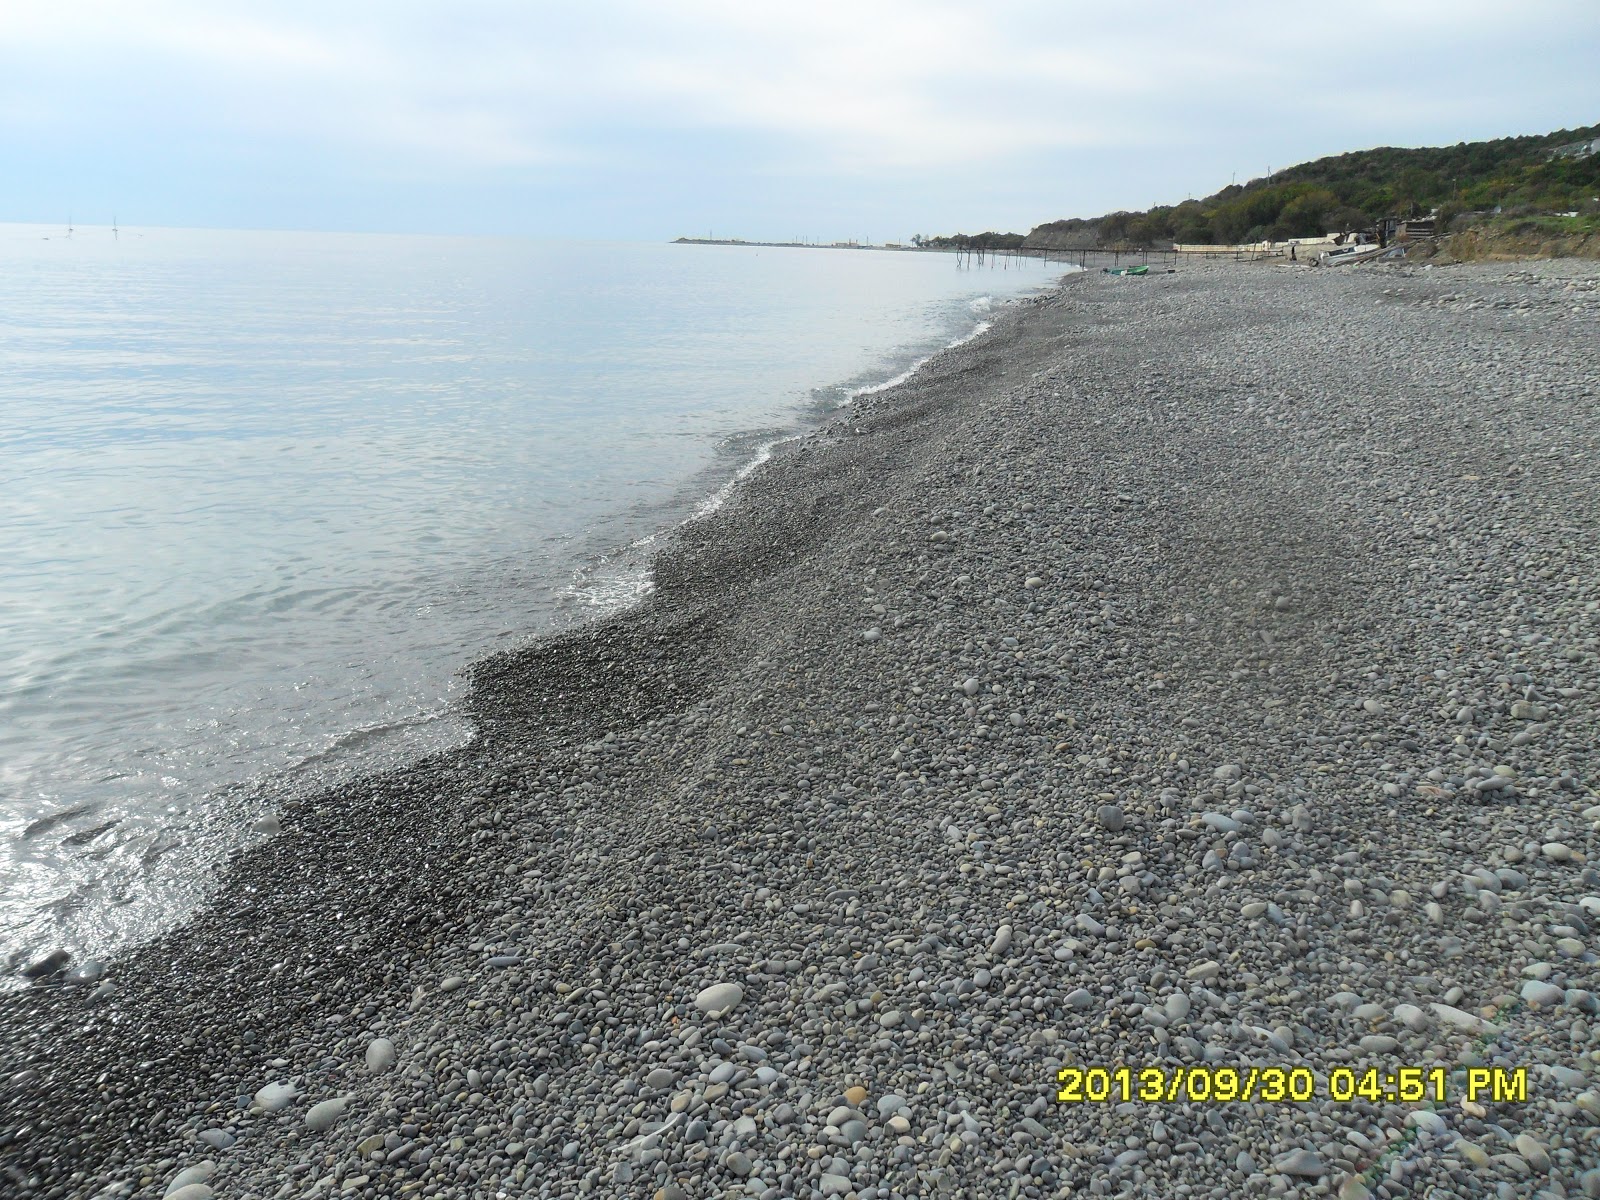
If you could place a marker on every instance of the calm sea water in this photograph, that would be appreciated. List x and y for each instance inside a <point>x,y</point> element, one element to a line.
<point>262,495</point>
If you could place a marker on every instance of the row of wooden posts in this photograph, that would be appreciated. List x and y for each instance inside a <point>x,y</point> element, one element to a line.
<point>972,256</point>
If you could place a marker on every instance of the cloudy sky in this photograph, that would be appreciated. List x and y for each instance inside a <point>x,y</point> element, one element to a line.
<point>826,118</point>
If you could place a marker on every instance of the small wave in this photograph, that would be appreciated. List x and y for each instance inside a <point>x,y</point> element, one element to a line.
<point>84,837</point>
<point>873,389</point>
<point>357,740</point>
<point>719,497</point>
<point>615,590</point>
<point>46,823</point>
<point>611,590</point>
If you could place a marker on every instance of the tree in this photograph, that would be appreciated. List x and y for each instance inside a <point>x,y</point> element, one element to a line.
<point>1305,215</point>
<point>1344,220</point>
<point>1114,227</point>
<point>1346,191</point>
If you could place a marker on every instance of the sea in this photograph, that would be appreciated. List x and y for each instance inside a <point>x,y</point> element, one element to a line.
<point>263,495</point>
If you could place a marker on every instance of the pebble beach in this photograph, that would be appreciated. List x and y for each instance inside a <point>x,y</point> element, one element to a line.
<point>1192,671</point>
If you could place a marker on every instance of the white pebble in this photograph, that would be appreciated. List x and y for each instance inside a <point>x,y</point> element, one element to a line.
<point>719,999</point>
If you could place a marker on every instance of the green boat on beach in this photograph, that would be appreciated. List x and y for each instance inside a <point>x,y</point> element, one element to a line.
<point>1127,270</point>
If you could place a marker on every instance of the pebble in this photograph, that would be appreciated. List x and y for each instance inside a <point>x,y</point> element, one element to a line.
<point>200,1172</point>
<point>1195,799</point>
<point>1543,995</point>
<point>1533,1152</point>
<point>322,1115</point>
<point>1473,1153</point>
<point>1429,1122</point>
<point>1412,1017</point>
<point>1300,1161</point>
<point>50,964</point>
<point>719,999</point>
<point>380,1055</point>
<point>88,971</point>
<point>275,1096</point>
<point>1001,942</point>
<point>1460,1019</point>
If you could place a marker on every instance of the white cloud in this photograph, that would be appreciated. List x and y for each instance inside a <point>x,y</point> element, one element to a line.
<point>926,90</point>
<point>858,85</point>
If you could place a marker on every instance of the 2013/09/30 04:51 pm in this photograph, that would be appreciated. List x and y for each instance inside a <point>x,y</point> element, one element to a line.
<point>1295,1085</point>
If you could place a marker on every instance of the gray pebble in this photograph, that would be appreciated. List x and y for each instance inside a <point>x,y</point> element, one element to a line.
<point>380,1055</point>
<point>321,1116</point>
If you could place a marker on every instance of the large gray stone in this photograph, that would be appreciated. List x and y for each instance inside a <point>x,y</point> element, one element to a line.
<point>380,1055</point>
<point>719,999</point>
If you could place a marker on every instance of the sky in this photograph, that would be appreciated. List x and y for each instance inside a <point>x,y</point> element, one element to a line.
<point>826,120</point>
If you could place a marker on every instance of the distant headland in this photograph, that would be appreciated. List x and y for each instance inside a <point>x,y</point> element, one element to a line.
<point>715,241</point>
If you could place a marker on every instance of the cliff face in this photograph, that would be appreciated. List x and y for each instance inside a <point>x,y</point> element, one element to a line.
<point>1064,235</point>
<point>1491,244</point>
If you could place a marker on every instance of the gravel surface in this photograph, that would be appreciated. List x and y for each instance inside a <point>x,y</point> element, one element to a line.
<point>1196,669</point>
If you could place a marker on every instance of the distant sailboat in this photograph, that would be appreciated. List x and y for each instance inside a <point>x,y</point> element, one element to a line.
<point>114,233</point>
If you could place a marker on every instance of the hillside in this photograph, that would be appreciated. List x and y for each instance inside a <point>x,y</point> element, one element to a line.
<point>1554,172</point>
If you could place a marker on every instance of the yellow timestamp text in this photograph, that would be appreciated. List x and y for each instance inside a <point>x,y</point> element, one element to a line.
<point>1280,1085</point>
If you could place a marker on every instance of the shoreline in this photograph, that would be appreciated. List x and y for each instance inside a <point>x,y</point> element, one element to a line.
<point>907,836</point>
<point>92,902</point>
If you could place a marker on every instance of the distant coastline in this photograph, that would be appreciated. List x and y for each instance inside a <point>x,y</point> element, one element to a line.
<point>980,253</point>
<point>706,241</point>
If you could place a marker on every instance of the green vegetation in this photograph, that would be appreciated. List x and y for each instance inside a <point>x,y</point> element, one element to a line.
<point>971,241</point>
<point>1558,224</point>
<point>1522,176</point>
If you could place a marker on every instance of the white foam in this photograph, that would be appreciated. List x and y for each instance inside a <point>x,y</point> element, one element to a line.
<point>611,587</point>
<point>720,497</point>
<point>982,327</point>
<point>610,590</point>
<point>625,589</point>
